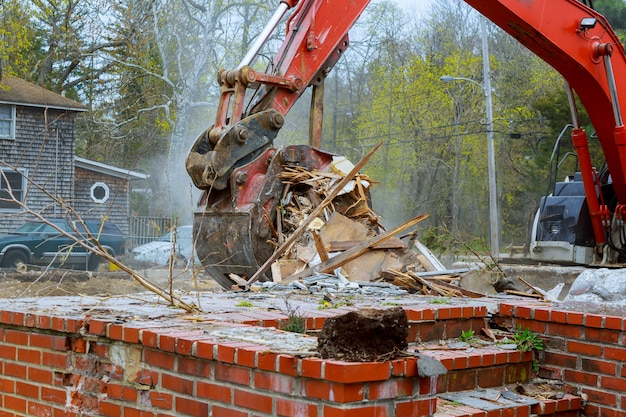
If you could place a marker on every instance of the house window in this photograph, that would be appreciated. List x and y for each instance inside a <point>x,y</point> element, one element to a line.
<point>99,192</point>
<point>7,121</point>
<point>12,184</point>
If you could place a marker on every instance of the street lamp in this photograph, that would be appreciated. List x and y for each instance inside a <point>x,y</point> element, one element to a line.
<point>491,158</point>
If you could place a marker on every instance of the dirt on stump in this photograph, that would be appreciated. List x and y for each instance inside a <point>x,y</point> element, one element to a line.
<point>364,336</point>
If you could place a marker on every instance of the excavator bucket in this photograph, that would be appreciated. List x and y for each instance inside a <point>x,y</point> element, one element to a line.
<point>235,228</point>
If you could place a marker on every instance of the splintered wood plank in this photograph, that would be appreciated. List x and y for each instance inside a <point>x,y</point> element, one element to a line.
<point>345,257</point>
<point>342,245</point>
<point>340,228</point>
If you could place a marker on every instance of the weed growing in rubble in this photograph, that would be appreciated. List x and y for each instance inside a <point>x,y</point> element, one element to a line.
<point>526,340</point>
<point>439,300</point>
<point>244,304</point>
<point>296,322</point>
<point>467,336</point>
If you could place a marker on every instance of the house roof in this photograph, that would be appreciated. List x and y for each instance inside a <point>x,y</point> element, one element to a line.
<point>17,91</point>
<point>108,169</point>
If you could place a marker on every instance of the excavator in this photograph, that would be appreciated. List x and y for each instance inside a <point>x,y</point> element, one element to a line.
<point>236,165</point>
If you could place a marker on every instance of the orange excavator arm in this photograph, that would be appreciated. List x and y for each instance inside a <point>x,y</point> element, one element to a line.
<point>580,44</point>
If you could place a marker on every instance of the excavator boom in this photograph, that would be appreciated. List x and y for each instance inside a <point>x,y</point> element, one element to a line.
<point>236,165</point>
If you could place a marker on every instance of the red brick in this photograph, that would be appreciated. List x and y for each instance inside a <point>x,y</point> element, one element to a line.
<point>288,365</point>
<point>8,352</point>
<point>40,375</point>
<point>335,392</point>
<point>290,408</point>
<point>232,373</point>
<point>616,384</point>
<point>583,348</point>
<point>311,368</point>
<point>549,372</point>
<point>348,372</point>
<point>121,392</point>
<point>575,318</point>
<point>490,377</point>
<point>29,356</point>
<point>108,409</point>
<point>194,366</point>
<point>219,411</point>
<point>192,407</point>
<point>39,410</point>
<point>14,403</point>
<point>53,395</point>
<point>390,389</point>
<point>159,359</point>
<point>614,353</point>
<point>541,314</point>
<point>522,312</point>
<point>47,341</point>
<point>465,380</point>
<point>26,390</point>
<point>161,400</point>
<point>273,382</point>
<point>16,337</point>
<point>515,373</point>
<point>98,327</point>
<point>215,392</point>
<point>580,377</point>
<point>413,314</point>
<point>177,384</point>
<point>417,407</point>
<point>253,401</point>
<point>7,386</point>
<point>600,397</point>
<point>598,366</point>
<point>15,369</point>
<point>560,359</point>
<point>362,411</point>
<point>266,361</point>
<point>246,355</point>
<point>593,320</point>
<point>443,313</point>
<point>204,349</point>
<point>506,309</point>
<point>614,323</point>
<point>558,316</point>
<point>566,330</point>
<point>602,335</point>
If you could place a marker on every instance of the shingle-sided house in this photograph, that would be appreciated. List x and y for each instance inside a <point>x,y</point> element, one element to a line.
<point>38,165</point>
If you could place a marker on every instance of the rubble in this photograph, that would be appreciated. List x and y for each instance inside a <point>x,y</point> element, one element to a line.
<point>329,239</point>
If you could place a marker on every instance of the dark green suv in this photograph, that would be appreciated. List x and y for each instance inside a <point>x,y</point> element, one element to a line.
<point>39,243</point>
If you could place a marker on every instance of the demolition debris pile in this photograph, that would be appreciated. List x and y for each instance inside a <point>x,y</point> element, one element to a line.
<point>346,240</point>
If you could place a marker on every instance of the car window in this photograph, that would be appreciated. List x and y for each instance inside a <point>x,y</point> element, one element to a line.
<point>27,228</point>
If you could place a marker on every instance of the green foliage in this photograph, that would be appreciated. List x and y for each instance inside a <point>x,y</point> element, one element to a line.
<point>244,304</point>
<point>467,336</point>
<point>439,300</point>
<point>526,340</point>
<point>296,322</point>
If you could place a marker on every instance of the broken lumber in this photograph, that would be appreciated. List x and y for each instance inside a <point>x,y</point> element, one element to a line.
<point>287,243</point>
<point>345,257</point>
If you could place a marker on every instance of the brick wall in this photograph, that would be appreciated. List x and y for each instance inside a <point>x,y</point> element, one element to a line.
<point>79,365</point>
<point>584,351</point>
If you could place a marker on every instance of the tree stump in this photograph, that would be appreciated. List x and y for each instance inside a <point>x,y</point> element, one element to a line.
<point>364,336</point>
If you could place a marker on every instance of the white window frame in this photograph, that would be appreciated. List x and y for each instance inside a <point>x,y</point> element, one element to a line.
<point>106,192</point>
<point>22,196</point>
<point>12,123</point>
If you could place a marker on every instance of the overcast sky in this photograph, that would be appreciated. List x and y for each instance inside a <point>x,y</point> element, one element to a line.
<point>420,5</point>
